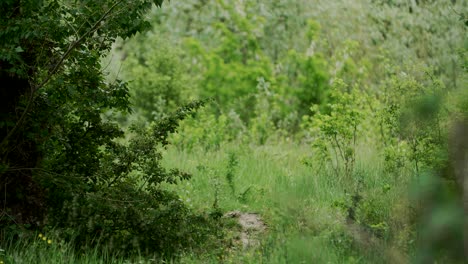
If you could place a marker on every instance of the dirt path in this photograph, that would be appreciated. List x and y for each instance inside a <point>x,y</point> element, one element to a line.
<point>251,227</point>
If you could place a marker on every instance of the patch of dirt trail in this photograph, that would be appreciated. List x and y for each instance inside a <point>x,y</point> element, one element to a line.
<point>252,226</point>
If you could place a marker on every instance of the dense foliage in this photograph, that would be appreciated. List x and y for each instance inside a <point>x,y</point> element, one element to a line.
<point>62,164</point>
<point>348,78</point>
<point>342,122</point>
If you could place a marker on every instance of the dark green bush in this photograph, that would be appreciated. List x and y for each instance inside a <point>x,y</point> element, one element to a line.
<point>62,164</point>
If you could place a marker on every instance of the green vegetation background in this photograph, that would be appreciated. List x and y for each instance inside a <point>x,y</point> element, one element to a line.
<point>129,131</point>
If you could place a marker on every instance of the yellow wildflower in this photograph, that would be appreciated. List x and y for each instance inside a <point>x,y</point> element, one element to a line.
<point>40,235</point>
<point>49,241</point>
<point>44,238</point>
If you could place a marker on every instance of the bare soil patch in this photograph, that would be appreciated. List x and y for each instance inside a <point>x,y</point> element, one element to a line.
<point>252,226</point>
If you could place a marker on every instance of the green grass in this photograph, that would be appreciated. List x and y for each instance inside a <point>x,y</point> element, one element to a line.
<point>304,208</point>
<point>30,248</point>
<point>297,202</point>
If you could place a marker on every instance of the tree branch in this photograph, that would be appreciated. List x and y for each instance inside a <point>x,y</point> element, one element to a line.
<point>35,88</point>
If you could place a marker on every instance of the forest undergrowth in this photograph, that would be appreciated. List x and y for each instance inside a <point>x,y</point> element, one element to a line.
<point>338,126</point>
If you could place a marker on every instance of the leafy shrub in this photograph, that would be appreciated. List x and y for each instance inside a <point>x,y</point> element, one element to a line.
<point>158,82</point>
<point>51,125</point>
<point>335,132</point>
<point>208,131</point>
<point>304,75</point>
<point>122,204</point>
<point>411,121</point>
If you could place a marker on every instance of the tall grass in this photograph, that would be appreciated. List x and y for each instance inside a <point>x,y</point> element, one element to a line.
<point>304,207</point>
<point>38,248</point>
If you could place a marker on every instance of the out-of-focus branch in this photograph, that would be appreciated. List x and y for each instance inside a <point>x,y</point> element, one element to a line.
<point>459,156</point>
